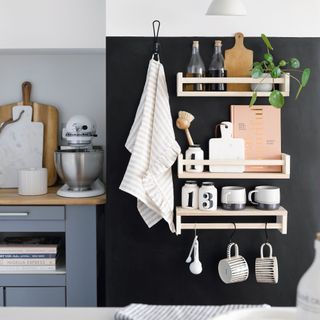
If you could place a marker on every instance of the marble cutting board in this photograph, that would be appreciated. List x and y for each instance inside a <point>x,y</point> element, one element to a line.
<point>21,146</point>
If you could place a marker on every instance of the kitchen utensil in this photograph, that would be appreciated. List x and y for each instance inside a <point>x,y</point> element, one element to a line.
<point>233,198</point>
<point>46,114</point>
<point>238,63</point>
<point>21,146</point>
<point>226,148</point>
<point>234,268</point>
<point>183,122</point>
<point>266,197</point>
<point>267,267</point>
<point>4,124</point>
<point>194,152</point>
<point>195,266</point>
<point>33,182</point>
<point>79,163</point>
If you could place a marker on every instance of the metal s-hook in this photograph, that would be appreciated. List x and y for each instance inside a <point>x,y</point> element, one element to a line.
<point>156,45</point>
<point>233,232</point>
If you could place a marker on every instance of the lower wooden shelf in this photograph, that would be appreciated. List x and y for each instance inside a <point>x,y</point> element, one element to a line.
<point>281,216</point>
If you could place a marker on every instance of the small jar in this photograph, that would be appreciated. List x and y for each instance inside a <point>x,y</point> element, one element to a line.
<point>194,152</point>
<point>208,196</point>
<point>190,195</point>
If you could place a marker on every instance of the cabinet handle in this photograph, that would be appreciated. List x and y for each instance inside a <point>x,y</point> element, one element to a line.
<point>14,214</point>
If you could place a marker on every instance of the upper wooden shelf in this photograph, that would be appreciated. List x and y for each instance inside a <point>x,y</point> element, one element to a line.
<point>284,174</point>
<point>283,82</point>
<point>10,197</point>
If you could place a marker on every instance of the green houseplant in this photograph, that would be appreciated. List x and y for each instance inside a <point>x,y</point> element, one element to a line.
<point>276,70</point>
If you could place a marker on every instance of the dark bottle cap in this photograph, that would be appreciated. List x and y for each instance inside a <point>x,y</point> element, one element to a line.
<point>191,182</point>
<point>207,183</point>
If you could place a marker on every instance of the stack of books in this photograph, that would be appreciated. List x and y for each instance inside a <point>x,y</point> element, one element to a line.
<point>31,257</point>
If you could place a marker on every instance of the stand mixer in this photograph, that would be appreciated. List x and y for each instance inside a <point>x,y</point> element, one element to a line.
<point>79,163</point>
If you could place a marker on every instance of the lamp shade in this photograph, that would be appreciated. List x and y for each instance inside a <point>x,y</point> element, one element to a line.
<point>227,8</point>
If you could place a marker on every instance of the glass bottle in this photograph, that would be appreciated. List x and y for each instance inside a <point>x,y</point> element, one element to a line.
<point>216,68</point>
<point>308,293</point>
<point>195,68</point>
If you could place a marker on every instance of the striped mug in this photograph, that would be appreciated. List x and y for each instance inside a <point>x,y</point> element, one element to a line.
<point>267,267</point>
<point>234,268</point>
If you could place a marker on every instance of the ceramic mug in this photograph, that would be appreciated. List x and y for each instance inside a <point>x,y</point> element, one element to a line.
<point>234,268</point>
<point>233,198</point>
<point>267,267</point>
<point>266,197</point>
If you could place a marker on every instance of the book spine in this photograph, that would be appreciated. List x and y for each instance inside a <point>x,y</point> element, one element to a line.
<point>27,268</point>
<point>28,256</point>
<point>27,262</point>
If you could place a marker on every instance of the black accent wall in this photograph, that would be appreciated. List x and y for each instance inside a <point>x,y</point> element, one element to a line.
<point>148,265</point>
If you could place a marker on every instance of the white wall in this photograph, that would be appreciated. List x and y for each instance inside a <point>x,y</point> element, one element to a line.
<point>290,18</point>
<point>52,23</point>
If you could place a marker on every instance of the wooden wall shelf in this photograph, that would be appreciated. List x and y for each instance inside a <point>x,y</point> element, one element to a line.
<point>284,162</point>
<point>283,82</point>
<point>281,219</point>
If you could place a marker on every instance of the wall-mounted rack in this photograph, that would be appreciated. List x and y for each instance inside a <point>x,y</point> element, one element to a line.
<point>283,82</point>
<point>284,174</point>
<point>281,216</point>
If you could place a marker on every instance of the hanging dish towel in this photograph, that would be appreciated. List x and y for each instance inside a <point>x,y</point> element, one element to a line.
<point>154,150</point>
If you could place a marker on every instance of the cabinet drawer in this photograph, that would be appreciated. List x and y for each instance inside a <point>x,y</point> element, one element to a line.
<point>35,296</point>
<point>32,213</point>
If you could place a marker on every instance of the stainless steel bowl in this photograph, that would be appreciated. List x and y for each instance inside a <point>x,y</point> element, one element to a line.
<point>79,168</point>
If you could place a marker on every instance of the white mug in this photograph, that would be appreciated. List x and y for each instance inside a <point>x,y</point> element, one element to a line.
<point>266,197</point>
<point>233,198</point>
<point>267,267</point>
<point>233,268</point>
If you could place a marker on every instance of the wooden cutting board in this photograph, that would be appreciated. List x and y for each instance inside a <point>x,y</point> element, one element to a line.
<point>226,148</point>
<point>46,114</point>
<point>21,146</point>
<point>238,63</point>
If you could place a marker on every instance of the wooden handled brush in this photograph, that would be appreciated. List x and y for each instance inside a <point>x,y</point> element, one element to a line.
<point>183,122</point>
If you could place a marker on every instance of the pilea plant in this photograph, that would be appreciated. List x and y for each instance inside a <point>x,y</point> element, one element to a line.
<point>276,70</point>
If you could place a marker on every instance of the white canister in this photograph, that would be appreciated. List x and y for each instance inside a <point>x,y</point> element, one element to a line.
<point>190,195</point>
<point>194,152</point>
<point>33,181</point>
<point>208,196</point>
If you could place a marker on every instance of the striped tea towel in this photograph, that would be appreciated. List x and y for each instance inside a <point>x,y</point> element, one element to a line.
<point>154,150</point>
<point>157,312</point>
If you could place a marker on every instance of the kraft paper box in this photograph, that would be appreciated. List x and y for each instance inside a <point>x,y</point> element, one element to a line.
<point>260,127</point>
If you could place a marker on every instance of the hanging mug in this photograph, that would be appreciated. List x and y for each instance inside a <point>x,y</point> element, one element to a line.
<point>234,268</point>
<point>267,267</point>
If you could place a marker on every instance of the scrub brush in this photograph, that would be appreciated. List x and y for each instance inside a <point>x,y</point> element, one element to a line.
<point>183,122</point>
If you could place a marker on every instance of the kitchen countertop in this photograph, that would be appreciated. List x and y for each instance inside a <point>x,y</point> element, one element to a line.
<point>10,197</point>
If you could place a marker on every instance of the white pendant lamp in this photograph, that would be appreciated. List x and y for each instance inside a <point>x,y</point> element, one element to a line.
<point>227,8</point>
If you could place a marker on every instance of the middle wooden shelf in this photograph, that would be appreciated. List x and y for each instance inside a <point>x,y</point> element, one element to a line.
<point>284,174</point>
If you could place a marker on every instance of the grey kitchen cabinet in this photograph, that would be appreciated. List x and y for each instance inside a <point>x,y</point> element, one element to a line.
<point>74,283</point>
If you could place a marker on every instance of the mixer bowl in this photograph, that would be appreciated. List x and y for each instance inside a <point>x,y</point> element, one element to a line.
<point>79,168</point>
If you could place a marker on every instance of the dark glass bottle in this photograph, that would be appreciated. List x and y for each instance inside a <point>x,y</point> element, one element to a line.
<point>195,68</point>
<point>216,68</point>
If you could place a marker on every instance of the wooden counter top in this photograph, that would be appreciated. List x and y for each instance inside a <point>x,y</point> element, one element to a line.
<point>10,197</point>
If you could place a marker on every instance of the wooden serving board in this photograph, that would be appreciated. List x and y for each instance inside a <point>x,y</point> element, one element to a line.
<point>49,116</point>
<point>238,63</point>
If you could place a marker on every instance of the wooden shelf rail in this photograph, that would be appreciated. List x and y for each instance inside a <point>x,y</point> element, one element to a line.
<point>281,219</point>
<point>283,82</point>
<point>284,162</point>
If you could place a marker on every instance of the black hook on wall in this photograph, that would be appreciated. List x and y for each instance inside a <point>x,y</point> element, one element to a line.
<point>156,45</point>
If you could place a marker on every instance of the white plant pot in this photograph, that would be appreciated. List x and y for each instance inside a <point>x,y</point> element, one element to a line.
<point>262,87</point>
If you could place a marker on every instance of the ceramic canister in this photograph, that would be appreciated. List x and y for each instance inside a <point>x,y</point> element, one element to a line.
<point>194,152</point>
<point>208,196</point>
<point>190,195</point>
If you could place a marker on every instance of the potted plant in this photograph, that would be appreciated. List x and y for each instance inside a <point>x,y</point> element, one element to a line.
<point>269,68</point>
